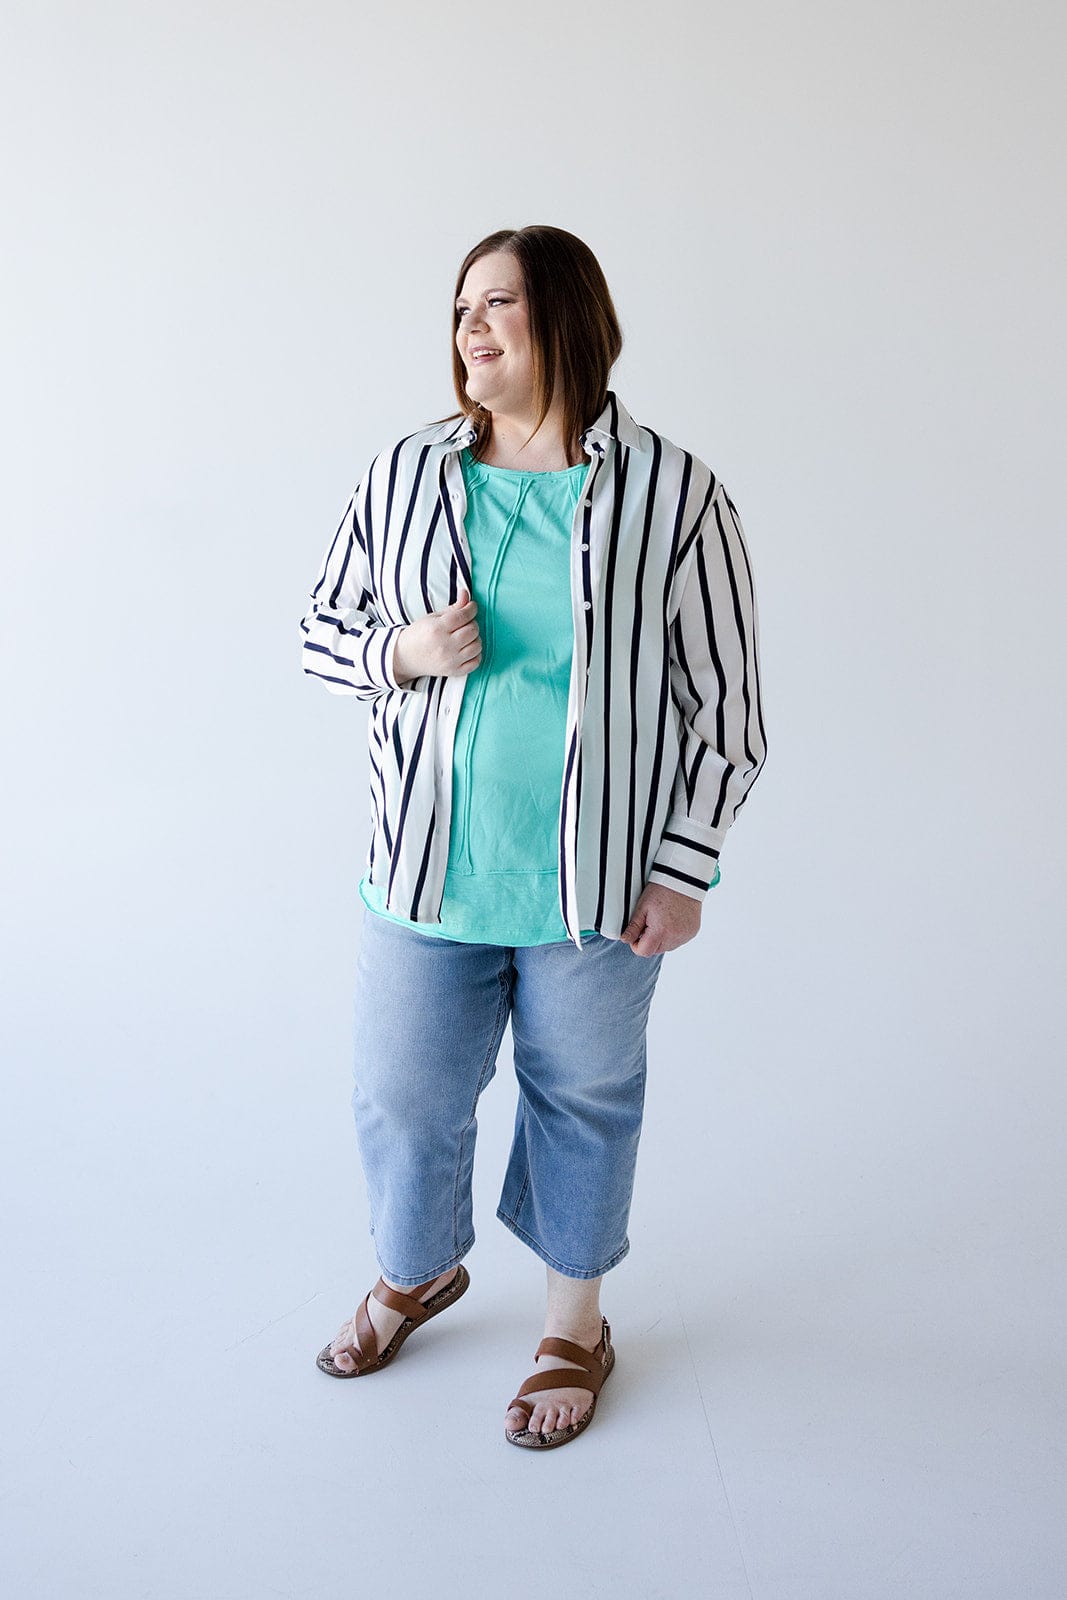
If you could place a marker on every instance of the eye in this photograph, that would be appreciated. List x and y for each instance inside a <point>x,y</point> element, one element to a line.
<point>494,300</point>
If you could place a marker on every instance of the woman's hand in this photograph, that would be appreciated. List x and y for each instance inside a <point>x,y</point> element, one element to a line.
<point>440,645</point>
<point>663,919</point>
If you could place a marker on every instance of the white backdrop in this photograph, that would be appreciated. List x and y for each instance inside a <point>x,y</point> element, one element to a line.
<point>836,239</point>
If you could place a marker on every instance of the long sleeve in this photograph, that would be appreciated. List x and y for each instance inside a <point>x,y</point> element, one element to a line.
<point>345,642</point>
<point>715,685</point>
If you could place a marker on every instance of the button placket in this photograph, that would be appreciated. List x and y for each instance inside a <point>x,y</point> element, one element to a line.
<point>582,630</point>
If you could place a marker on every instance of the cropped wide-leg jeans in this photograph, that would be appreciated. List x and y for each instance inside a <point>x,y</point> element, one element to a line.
<point>430,1015</point>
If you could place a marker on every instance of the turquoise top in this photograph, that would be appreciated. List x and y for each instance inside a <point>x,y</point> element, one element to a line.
<point>502,878</point>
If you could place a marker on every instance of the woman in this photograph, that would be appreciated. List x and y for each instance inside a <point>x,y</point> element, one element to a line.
<point>550,610</point>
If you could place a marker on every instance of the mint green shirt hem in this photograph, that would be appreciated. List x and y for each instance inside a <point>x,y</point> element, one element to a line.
<point>477,917</point>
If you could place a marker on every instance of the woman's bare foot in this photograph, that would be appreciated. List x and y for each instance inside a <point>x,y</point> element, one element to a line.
<point>383,1319</point>
<point>573,1313</point>
<point>557,1408</point>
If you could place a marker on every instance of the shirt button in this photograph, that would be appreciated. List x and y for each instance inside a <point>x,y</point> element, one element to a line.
<point>588,604</point>
<point>455,494</point>
<point>585,547</point>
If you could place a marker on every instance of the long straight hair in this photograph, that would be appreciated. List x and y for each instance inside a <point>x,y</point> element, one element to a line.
<point>574,330</point>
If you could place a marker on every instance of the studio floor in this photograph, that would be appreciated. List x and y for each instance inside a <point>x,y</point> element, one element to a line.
<point>809,1403</point>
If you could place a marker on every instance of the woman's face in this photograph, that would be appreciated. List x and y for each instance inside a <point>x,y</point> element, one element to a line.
<point>494,316</point>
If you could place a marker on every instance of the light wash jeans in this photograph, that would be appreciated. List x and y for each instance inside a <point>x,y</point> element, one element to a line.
<point>430,1014</point>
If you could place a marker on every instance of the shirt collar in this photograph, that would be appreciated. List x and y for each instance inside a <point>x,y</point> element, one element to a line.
<point>613,422</point>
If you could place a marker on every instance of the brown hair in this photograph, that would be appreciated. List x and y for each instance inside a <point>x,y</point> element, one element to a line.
<point>574,329</point>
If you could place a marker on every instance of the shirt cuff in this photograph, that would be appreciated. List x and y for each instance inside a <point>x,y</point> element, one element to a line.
<point>688,857</point>
<point>392,634</point>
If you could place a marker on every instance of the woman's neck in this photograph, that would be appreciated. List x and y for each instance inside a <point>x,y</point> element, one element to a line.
<point>545,452</point>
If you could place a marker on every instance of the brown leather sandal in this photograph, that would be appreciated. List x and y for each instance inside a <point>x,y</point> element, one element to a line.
<point>366,1357</point>
<point>589,1372</point>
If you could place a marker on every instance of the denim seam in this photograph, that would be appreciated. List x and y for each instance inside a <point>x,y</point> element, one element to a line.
<point>559,1266</point>
<point>492,1050</point>
<point>524,1187</point>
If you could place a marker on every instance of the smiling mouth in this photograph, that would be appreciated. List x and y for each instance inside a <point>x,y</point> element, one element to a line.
<point>478,357</point>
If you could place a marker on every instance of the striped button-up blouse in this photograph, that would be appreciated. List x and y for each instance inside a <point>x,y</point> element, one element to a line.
<point>664,734</point>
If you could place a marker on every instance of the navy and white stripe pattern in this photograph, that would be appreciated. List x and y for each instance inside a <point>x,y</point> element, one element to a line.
<point>665,733</point>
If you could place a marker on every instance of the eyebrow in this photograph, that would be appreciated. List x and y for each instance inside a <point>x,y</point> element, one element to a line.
<point>488,292</point>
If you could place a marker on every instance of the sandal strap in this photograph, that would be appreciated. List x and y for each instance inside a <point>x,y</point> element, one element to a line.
<point>368,1340</point>
<point>562,1378</point>
<point>590,1361</point>
<point>408,1303</point>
